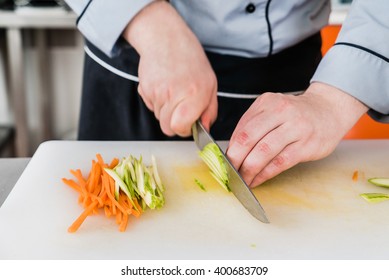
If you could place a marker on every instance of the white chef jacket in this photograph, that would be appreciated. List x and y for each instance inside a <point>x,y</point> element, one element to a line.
<point>357,63</point>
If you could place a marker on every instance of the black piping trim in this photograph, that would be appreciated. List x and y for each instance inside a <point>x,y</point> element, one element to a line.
<point>83,11</point>
<point>269,31</point>
<point>364,49</point>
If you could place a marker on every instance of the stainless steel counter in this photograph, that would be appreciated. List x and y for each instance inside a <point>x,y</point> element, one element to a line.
<point>10,171</point>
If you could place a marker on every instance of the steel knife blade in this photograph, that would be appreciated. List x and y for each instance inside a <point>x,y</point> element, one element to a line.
<point>237,185</point>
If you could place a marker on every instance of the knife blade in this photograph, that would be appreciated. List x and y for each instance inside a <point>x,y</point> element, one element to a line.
<point>237,185</point>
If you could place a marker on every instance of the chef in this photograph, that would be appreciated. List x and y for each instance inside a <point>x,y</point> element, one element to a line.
<point>152,68</point>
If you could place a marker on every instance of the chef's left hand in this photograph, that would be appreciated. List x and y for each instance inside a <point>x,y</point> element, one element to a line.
<point>278,131</point>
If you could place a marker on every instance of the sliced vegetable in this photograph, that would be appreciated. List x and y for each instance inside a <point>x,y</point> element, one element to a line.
<point>119,185</point>
<point>213,157</point>
<point>379,181</point>
<point>139,181</point>
<point>114,188</point>
<point>375,197</point>
<point>201,185</point>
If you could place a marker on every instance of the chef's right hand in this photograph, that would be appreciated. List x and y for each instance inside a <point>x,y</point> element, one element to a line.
<point>176,80</point>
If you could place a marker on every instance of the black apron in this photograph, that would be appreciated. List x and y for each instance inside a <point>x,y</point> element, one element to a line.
<point>111,108</point>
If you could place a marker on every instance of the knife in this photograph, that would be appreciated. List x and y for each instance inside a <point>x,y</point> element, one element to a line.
<point>238,187</point>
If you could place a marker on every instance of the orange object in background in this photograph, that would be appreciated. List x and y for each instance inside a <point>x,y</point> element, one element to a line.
<point>365,128</point>
<point>329,34</point>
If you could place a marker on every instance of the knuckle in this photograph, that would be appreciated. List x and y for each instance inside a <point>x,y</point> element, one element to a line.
<point>280,161</point>
<point>283,105</point>
<point>264,148</point>
<point>266,95</point>
<point>242,138</point>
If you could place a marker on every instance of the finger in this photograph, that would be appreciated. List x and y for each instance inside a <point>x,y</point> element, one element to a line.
<point>147,102</point>
<point>265,151</point>
<point>208,117</point>
<point>182,119</point>
<point>188,111</point>
<point>287,158</point>
<point>249,131</point>
<point>165,119</point>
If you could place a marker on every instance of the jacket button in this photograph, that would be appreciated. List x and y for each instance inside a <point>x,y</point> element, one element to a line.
<point>250,8</point>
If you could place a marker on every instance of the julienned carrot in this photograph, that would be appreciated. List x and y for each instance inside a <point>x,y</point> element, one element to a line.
<point>77,223</point>
<point>355,175</point>
<point>97,192</point>
<point>113,163</point>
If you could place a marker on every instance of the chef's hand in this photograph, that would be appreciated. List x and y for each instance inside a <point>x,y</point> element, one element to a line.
<point>278,131</point>
<point>176,80</point>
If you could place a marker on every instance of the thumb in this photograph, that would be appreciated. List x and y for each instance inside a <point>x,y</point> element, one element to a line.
<point>208,117</point>
<point>188,111</point>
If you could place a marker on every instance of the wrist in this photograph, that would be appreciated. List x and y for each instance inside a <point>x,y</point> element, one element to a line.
<point>348,108</point>
<point>154,24</point>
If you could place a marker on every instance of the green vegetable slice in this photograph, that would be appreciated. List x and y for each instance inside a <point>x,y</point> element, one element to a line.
<point>138,181</point>
<point>201,185</point>
<point>120,183</point>
<point>375,197</point>
<point>213,157</point>
<point>379,181</point>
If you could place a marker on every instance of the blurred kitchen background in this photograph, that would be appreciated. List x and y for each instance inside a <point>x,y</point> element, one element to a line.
<point>41,59</point>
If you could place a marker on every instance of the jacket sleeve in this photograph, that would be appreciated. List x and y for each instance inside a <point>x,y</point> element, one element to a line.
<point>358,63</point>
<point>102,22</point>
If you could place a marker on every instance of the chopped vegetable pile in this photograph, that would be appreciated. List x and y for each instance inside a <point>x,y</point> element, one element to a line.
<point>121,188</point>
<point>213,157</point>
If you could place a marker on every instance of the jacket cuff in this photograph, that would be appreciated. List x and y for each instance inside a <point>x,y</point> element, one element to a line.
<point>359,72</point>
<point>102,22</point>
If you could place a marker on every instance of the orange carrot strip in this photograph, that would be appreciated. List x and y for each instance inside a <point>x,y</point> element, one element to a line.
<point>138,210</point>
<point>107,211</point>
<point>87,201</point>
<point>78,222</point>
<point>355,175</point>
<point>124,222</point>
<point>97,177</point>
<point>103,197</point>
<point>93,176</point>
<point>77,173</point>
<point>81,181</point>
<point>115,204</point>
<point>125,203</point>
<point>113,163</point>
<point>71,183</point>
<point>82,195</point>
<point>97,185</point>
<point>118,217</point>
<point>95,209</point>
<point>100,159</point>
<point>106,187</point>
<point>96,198</point>
<point>111,193</point>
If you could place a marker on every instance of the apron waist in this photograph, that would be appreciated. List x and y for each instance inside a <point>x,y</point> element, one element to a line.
<point>238,77</point>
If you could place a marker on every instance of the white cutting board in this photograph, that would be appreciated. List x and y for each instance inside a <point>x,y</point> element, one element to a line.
<point>314,209</point>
